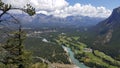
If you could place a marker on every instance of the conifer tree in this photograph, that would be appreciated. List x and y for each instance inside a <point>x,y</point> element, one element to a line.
<point>16,56</point>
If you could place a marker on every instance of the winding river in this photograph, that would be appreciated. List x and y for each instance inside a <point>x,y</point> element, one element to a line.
<point>73,59</point>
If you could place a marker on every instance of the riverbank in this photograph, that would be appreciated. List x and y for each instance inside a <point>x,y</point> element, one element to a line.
<point>73,59</point>
<point>58,65</point>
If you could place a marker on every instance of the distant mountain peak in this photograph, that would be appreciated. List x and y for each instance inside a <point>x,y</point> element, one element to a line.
<point>109,29</point>
<point>114,19</point>
<point>115,13</point>
<point>116,10</point>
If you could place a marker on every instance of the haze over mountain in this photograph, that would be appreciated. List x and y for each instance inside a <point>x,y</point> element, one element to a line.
<point>42,20</point>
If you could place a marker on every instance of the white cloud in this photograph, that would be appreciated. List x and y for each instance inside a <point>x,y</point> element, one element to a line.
<point>16,3</point>
<point>61,8</point>
<point>48,5</point>
<point>87,10</point>
<point>43,12</point>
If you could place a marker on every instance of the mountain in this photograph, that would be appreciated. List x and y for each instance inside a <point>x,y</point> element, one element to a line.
<point>108,33</point>
<point>42,20</point>
<point>113,21</point>
<point>72,21</point>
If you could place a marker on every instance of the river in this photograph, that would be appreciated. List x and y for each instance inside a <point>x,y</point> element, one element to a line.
<point>73,59</point>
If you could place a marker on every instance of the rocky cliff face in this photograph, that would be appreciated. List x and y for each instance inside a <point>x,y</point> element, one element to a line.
<point>106,35</point>
<point>103,39</point>
<point>113,21</point>
<point>108,29</point>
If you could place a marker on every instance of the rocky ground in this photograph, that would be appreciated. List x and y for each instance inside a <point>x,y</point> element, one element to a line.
<point>57,65</point>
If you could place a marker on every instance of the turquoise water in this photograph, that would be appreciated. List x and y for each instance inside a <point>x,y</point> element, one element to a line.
<point>74,61</point>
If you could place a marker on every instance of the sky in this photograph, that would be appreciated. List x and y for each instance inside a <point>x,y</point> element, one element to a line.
<point>110,4</point>
<point>64,8</point>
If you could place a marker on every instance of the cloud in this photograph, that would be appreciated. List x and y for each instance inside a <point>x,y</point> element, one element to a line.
<point>16,3</point>
<point>49,5</point>
<point>87,10</point>
<point>61,8</point>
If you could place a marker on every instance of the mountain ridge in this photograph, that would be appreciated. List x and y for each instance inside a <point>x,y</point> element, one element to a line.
<point>39,20</point>
<point>107,33</point>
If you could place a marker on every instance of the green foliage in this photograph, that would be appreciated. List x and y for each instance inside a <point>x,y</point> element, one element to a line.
<point>35,65</point>
<point>29,9</point>
<point>16,55</point>
<point>47,50</point>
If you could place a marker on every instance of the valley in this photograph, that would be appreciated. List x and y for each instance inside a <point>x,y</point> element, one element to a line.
<point>53,50</point>
<point>59,34</point>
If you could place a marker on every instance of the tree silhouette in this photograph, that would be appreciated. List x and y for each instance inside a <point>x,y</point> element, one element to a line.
<point>7,7</point>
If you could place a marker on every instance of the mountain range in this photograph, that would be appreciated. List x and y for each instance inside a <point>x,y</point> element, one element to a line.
<point>42,20</point>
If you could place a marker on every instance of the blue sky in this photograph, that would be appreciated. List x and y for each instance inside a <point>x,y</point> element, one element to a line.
<point>109,4</point>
